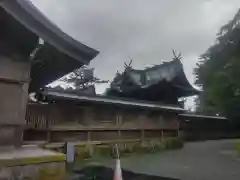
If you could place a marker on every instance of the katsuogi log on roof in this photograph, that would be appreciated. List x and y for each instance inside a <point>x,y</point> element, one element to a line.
<point>22,25</point>
<point>166,83</point>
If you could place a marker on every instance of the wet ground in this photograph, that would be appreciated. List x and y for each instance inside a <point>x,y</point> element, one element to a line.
<point>196,161</point>
<point>105,173</point>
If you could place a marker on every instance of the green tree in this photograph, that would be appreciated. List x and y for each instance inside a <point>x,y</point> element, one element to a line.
<point>218,73</point>
<point>82,78</point>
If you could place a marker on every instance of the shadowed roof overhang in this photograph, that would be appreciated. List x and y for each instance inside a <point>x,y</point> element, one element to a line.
<point>60,54</point>
<point>56,96</point>
<point>200,117</point>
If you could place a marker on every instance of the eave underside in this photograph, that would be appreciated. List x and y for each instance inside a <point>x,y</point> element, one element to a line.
<point>21,26</point>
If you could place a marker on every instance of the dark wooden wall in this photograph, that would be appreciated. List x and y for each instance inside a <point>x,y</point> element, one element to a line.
<point>96,122</point>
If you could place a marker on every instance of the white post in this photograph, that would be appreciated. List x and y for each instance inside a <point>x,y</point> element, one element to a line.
<point>117,151</point>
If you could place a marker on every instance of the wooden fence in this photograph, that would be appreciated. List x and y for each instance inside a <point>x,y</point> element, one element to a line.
<point>54,123</point>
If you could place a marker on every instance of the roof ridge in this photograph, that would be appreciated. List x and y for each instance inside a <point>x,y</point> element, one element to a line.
<point>158,65</point>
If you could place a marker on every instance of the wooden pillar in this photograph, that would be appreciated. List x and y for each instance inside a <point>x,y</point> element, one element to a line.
<point>119,134</point>
<point>89,116</point>
<point>48,117</point>
<point>162,135</point>
<point>89,145</point>
<point>14,81</point>
<point>142,135</point>
<point>89,136</point>
<point>178,126</point>
<point>119,123</point>
<point>119,118</point>
<point>48,136</point>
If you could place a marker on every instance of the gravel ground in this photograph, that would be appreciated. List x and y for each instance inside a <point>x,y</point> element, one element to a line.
<point>206,160</point>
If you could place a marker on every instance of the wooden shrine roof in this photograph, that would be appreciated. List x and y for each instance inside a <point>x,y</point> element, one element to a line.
<point>22,24</point>
<point>169,73</point>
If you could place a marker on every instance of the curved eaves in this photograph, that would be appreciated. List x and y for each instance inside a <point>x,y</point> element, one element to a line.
<point>33,19</point>
<point>182,82</point>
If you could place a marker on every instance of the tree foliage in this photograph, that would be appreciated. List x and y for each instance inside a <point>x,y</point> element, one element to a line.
<point>82,78</point>
<point>218,73</point>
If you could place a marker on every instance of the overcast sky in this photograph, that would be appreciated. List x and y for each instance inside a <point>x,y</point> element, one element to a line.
<point>143,30</point>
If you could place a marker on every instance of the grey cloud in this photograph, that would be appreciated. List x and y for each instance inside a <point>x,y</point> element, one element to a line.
<point>144,30</point>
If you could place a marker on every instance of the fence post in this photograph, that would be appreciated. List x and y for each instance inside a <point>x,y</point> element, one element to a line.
<point>142,135</point>
<point>89,145</point>
<point>178,126</point>
<point>88,137</point>
<point>162,135</point>
<point>119,134</point>
<point>48,135</point>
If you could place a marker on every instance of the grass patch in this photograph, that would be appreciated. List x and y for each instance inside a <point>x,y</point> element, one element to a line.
<point>126,149</point>
<point>173,143</point>
<point>99,154</point>
<point>237,145</point>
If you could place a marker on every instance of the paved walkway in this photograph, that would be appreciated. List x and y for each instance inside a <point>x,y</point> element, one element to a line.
<point>207,160</point>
